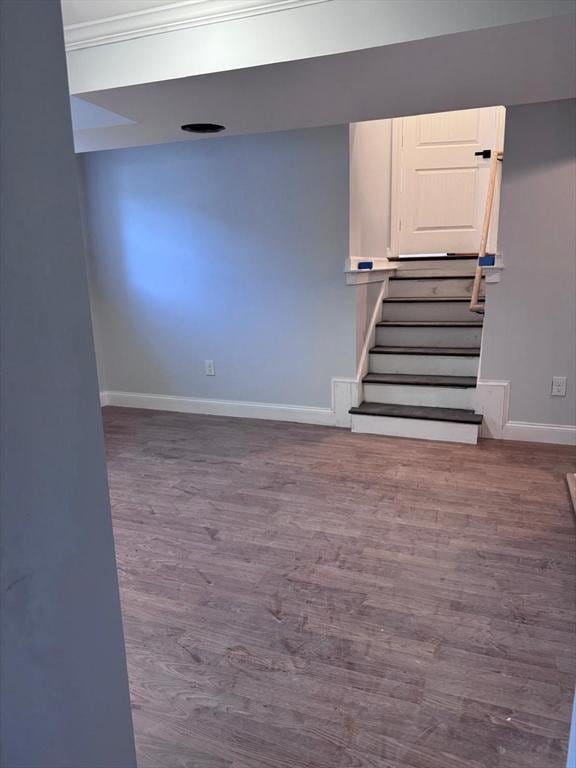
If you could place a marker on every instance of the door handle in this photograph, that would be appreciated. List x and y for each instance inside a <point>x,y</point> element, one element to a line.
<point>486,154</point>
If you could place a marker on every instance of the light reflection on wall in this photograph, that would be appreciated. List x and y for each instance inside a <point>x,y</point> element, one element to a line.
<point>226,249</point>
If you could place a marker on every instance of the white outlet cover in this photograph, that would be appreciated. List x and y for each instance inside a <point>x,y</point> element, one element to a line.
<point>559,386</point>
<point>209,368</point>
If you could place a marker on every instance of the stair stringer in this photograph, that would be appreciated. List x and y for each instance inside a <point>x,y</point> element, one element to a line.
<point>370,339</point>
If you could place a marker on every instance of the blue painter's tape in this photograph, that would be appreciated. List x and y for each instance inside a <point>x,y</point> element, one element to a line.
<point>487,261</point>
<point>365,264</point>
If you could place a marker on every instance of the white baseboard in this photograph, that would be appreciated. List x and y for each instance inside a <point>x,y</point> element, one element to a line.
<point>494,402</point>
<point>343,397</point>
<point>562,434</point>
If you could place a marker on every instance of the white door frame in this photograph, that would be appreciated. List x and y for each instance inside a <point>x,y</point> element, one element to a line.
<point>395,187</point>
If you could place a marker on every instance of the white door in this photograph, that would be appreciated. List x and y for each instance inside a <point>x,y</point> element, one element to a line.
<point>439,182</point>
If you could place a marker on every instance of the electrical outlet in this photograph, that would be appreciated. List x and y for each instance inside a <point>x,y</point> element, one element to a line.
<point>559,386</point>
<point>209,368</point>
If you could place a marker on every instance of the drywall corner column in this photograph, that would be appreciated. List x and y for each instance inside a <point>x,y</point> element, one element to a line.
<point>63,685</point>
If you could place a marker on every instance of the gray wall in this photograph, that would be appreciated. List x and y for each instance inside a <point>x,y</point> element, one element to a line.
<point>230,249</point>
<point>530,325</point>
<point>63,685</point>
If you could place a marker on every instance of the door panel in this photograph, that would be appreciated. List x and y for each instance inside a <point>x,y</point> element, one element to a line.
<point>446,199</point>
<point>448,128</point>
<point>441,185</point>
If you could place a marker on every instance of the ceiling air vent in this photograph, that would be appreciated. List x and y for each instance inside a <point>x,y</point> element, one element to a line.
<point>202,128</point>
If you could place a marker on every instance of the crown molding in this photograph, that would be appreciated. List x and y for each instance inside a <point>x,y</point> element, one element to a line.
<point>170,18</point>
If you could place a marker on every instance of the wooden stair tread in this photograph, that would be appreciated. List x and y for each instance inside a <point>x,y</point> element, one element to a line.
<point>422,380</point>
<point>430,323</point>
<point>446,351</point>
<point>426,299</point>
<point>426,412</point>
<point>446,257</point>
<point>433,277</point>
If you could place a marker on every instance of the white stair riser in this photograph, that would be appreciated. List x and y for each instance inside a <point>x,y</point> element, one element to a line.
<point>458,286</point>
<point>421,336</point>
<point>416,428</point>
<point>410,394</point>
<point>445,365</point>
<point>427,310</point>
<point>458,266</point>
<point>463,270</point>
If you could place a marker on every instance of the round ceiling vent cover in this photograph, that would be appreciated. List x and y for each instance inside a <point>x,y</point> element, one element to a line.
<point>202,128</point>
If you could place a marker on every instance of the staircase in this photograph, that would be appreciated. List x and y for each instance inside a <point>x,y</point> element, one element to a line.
<point>422,369</point>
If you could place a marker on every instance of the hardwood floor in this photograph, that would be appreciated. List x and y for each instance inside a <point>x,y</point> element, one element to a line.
<point>303,597</point>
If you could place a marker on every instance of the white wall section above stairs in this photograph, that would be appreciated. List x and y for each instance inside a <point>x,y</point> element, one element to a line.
<point>370,192</point>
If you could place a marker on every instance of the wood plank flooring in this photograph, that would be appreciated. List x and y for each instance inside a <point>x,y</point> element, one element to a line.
<point>303,597</point>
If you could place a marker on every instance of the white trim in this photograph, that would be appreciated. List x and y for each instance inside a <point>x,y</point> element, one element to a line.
<point>370,338</point>
<point>420,429</point>
<point>345,395</point>
<point>493,399</point>
<point>170,18</point>
<point>492,274</point>
<point>395,187</point>
<point>353,261</point>
<point>362,276</point>
<point>343,398</point>
<point>562,434</point>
